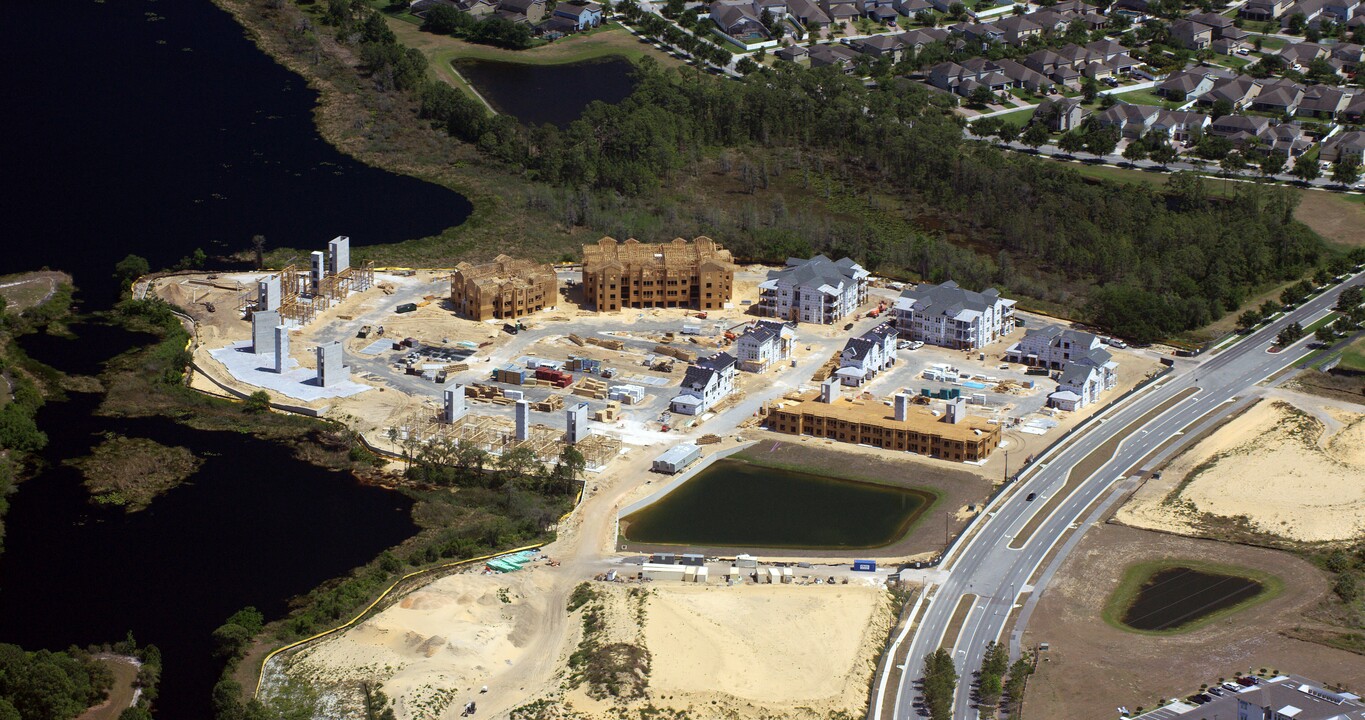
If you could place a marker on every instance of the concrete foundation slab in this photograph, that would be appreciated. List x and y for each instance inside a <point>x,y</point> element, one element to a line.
<point>295,382</point>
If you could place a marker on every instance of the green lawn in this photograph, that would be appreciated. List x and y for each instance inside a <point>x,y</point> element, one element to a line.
<point>1235,62</point>
<point>1143,97</point>
<point>1353,357</point>
<point>1018,118</point>
<point>1270,43</point>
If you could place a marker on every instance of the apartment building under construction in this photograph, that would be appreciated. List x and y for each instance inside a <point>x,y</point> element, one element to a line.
<point>699,274</point>
<point>503,289</point>
<point>948,434</point>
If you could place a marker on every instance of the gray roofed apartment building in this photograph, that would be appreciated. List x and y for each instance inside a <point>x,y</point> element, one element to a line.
<point>950,316</point>
<point>818,290</point>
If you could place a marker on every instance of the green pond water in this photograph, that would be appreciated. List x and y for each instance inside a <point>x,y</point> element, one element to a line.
<point>736,504</point>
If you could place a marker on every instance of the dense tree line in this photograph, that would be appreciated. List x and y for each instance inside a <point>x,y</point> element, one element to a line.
<point>46,685</point>
<point>940,684</point>
<point>490,30</point>
<point>1151,262</point>
<point>389,63</point>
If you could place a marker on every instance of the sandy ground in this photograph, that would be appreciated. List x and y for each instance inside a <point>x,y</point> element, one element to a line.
<point>438,645</point>
<point>1293,471</point>
<point>1092,667</point>
<point>774,645</point>
<point>737,646</point>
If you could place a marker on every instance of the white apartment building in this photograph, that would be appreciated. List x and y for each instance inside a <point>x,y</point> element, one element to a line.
<point>952,317</point>
<point>817,290</point>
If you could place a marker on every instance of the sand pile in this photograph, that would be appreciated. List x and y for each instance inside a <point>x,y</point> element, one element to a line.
<point>1276,466</point>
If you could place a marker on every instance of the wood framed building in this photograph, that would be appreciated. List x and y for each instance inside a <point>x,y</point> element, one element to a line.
<point>698,274</point>
<point>906,426</point>
<point>502,289</point>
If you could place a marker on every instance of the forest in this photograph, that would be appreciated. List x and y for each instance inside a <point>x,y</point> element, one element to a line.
<point>1143,262</point>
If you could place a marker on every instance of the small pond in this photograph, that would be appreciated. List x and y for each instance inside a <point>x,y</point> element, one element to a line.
<point>738,504</point>
<point>1177,596</point>
<point>555,94</point>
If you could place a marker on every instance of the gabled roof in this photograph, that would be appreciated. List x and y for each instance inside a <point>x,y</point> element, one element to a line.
<point>698,377</point>
<point>820,272</point>
<point>856,349</point>
<point>948,300</point>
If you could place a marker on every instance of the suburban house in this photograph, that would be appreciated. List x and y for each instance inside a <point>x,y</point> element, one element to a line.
<point>764,345</point>
<point>950,316</point>
<point>1180,125</point>
<point>808,13</point>
<point>1223,27</point>
<point>1311,10</point>
<point>1132,121</point>
<point>1323,101</point>
<point>1264,9</point>
<point>1348,55</point>
<point>739,20</point>
<point>583,16</point>
<point>1239,127</point>
<point>522,11</point>
<point>1300,55</point>
<point>919,37</point>
<point>1191,35</point>
<point>880,46</point>
<point>1278,96</point>
<point>1060,114</point>
<point>1018,29</point>
<point>705,384</point>
<point>840,10</point>
<point>841,56</point>
<point>817,290</point>
<point>866,355</point>
<point>1184,85</point>
<point>1237,90</point>
<point>1286,139</point>
<point>1024,77</point>
<point>792,53</point>
<point>1347,144</point>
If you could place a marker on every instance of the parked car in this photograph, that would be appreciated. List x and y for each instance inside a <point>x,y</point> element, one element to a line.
<point>509,328</point>
<point>1115,342</point>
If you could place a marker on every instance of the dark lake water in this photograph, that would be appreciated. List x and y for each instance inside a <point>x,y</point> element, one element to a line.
<point>254,526</point>
<point>155,127</point>
<point>555,94</point>
<point>736,504</point>
<point>1177,596</point>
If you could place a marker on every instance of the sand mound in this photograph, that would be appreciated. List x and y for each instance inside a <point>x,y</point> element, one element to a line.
<point>1274,468</point>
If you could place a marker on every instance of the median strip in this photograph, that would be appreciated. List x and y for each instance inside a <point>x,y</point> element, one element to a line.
<point>1089,465</point>
<point>964,606</point>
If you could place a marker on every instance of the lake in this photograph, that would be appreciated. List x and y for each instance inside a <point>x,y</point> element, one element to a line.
<point>736,504</point>
<point>555,94</point>
<point>157,127</point>
<point>153,127</point>
<point>254,526</point>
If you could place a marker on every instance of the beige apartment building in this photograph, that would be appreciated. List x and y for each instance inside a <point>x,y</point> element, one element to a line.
<point>699,274</point>
<point>503,289</point>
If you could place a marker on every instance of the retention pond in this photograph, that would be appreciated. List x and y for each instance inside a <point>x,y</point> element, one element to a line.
<point>743,505</point>
<point>555,94</point>
<point>1176,596</point>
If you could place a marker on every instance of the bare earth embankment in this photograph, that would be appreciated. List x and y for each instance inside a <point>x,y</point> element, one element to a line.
<point>1275,470</point>
<point>711,651</point>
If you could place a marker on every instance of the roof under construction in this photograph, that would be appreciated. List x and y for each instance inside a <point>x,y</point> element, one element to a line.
<point>919,418</point>
<point>633,253</point>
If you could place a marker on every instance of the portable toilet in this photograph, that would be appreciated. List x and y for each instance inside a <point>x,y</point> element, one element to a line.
<point>864,566</point>
<point>787,575</point>
<point>774,575</point>
<point>733,576</point>
<point>703,575</point>
<point>690,574</point>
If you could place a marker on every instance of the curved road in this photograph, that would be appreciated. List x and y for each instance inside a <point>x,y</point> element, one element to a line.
<point>987,567</point>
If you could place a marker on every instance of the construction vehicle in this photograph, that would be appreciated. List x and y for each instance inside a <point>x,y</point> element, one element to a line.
<point>364,332</point>
<point>702,315</point>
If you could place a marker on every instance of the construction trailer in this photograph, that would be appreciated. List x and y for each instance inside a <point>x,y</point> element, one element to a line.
<point>660,571</point>
<point>677,458</point>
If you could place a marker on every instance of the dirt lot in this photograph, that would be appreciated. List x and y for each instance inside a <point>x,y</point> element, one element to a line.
<point>1339,218</point>
<point>1093,667</point>
<point>121,695</point>
<point>714,650</point>
<point>1307,462</point>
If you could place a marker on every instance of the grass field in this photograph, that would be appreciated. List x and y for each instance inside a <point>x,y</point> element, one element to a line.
<point>1353,358</point>
<point>1137,574</point>
<point>1144,97</point>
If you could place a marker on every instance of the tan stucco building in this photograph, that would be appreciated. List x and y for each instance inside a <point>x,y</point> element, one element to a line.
<point>698,274</point>
<point>503,289</point>
<point>872,422</point>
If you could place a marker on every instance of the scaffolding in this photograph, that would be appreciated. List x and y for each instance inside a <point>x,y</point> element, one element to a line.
<point>301,307</point>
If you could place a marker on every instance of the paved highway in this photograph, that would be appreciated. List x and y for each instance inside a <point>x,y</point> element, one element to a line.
<point>997,574</point>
